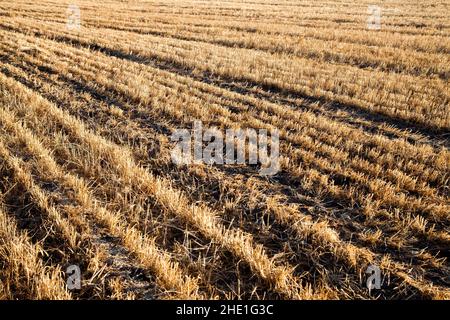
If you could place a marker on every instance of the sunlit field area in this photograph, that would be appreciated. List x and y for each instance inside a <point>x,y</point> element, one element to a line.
<point>98,201</point>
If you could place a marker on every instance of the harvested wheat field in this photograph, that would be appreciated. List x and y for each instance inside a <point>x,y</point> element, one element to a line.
<point>91,93</point>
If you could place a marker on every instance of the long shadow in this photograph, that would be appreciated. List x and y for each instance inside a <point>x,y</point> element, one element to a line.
<point>289,188</point>
<point>277,231</point>
<point>281,178</point>
<point>244,85</point>
<point>176,234</point>
<point>106,97</point>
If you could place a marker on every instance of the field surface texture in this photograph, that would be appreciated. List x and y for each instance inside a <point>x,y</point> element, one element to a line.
<point>91,92</point>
